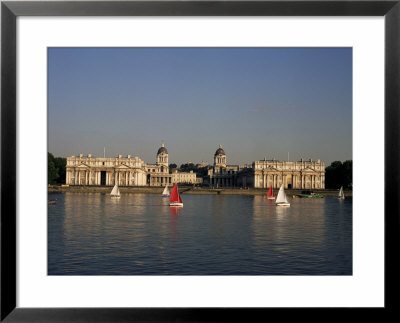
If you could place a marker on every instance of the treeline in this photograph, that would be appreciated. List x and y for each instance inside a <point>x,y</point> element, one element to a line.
<point>201,171</point>
<point>339,174</point>
<point>56,169</point>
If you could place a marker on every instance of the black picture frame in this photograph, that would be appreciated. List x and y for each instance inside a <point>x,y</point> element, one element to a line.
<point>10,10</point>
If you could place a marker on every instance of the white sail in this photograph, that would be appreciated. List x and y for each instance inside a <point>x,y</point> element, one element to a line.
<point>281,197</point>
<point>341,194</point>
<point>166,191</point>
<point>115,191</point>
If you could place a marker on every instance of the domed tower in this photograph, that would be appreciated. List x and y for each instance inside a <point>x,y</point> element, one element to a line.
<point>220,157</point>
<point>162,158</point>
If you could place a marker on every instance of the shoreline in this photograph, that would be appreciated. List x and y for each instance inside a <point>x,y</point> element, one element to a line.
<point>53,189</point>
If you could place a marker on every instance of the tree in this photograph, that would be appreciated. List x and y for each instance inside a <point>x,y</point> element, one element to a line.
<point>56,169</point>
<point>61,164</point>
<point>52,171</point>
<point>339,174</point>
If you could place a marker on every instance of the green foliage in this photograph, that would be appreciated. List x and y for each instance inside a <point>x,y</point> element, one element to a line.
<point>339,174</point>
<point>56,169</point>
<point>188,167</point>
<point>200,171</point>
<point>52,171</point>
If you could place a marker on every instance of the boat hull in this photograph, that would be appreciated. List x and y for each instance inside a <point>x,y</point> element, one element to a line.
<point>282,204</point>
<point>310,196</point>
<point>271,197</point>
<point>164,195</point>
<point>115,197</point>
<point>176,204</point>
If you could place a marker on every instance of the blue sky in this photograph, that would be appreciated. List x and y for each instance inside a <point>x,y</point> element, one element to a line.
<point>256,102</point>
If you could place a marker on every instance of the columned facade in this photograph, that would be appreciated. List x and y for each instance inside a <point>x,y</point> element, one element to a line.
<point>124,171</point>
<point>132,171</point>
<point>297,175</point>
<point>222,175</point>
<point>265,173</point>
<point>87,170</point>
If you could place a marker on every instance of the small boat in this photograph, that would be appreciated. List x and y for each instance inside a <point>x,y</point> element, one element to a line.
<point>270,194</point>
<point>309,195</point>
<point>175,199</point>
<point>165,193</point>
<point>281,199</point>
<point>115,192</point>
<point>341,194</point>
<point>52,202</point>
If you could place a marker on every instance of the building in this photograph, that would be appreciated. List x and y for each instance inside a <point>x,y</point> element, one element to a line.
<point>133,171</point>
<point>184,177</point>
<point>265,173</point>
<point>221,174</point>
<point>297,175</point>
<point>124,171</point>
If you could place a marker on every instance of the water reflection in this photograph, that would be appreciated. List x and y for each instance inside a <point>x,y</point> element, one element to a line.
<point>139,234</point>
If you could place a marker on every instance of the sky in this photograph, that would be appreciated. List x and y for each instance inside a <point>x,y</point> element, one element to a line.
<point>282,103</point>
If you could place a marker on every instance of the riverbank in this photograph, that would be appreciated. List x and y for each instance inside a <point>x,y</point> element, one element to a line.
<point>183,190</point>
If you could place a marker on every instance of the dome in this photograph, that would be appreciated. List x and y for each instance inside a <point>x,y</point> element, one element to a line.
<point>219,151</point>
<point>162,149</point>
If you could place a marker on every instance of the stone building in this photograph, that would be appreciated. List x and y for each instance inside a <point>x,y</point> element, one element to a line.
<point>124,171</point>
<point>184,177</point>
<point>133,171</point>
<point>297,175</point>
<point>221,174</point>
<point>265,173</point>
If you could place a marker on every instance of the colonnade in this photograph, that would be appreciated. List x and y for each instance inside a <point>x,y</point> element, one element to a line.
<point>94,177</point>
<point>222,181</point>
<point>160,180</point>
<point>297,181</point>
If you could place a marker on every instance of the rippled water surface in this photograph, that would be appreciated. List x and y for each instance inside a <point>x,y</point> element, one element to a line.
<point>139,234</point>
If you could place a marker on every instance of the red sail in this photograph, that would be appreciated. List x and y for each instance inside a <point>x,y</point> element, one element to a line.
<point>175,197</point>
<point>270,192</point>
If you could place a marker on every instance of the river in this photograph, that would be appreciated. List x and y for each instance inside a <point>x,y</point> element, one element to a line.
<point>139,234</point>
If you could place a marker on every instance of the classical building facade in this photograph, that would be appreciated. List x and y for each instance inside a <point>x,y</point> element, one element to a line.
<point>124,171</point>
<point>297,175</point>
<point>221,174</point>
<point>133,171</point>
<point>265,173</point>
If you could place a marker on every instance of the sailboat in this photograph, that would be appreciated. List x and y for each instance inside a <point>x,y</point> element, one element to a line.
<point>341,194</point>
<point>175,199</point>
<point>270,194</point>
<point>115,192</point>
<point>281,199</point>
<point>165,193</point>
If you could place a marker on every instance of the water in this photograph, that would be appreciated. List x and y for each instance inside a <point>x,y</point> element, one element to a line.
<point>139,234</point>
